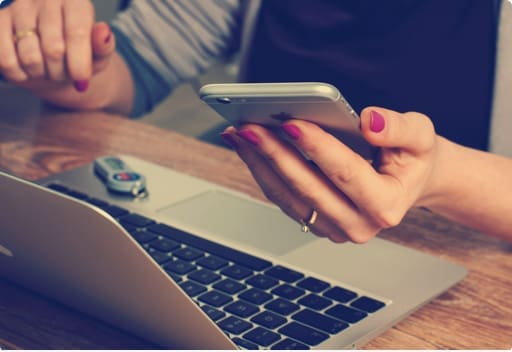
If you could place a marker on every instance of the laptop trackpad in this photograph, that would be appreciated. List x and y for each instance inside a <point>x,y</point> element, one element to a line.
<point>238,221</point>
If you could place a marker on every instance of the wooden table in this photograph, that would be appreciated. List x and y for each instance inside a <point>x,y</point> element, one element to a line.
<point>37,141</point>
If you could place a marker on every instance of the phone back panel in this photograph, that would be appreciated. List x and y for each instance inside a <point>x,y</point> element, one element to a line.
<point>272,108</point>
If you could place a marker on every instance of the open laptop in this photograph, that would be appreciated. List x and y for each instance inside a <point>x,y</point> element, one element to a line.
<point>196,265</point>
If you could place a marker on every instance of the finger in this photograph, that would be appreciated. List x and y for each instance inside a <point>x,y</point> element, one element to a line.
<point>102,40</point>
<point>52,39</point>
<point>309,184</point>
<point>9,65</point>
<point>408,142</point>
<point>347,170</point>
<point>103,45</point>
<point>78,22</point>
<point>411,132</point>
<point>276,190</point>
<point>28,46</point>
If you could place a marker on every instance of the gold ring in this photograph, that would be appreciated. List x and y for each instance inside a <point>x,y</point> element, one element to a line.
<point>24,33</point>
<point>305,224</point>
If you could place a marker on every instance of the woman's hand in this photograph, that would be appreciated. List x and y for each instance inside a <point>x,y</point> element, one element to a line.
<point>353,198</point>
<point>47,44</point>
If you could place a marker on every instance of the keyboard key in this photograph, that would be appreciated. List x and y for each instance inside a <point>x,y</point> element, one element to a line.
<point>262,281</point>
<point>303,334</point>
<point>244,344</point>
<point>256,296</point>
<point>213,313</point>
<point>77,195</point>
<point>289,344</point>
<point>179,267</point>
<point>315,302</point>
<point>367,304</point>
<point>269,320</point>
<point>136,220</point>
<point>229,286</point>
<point>340,294</point>
<point>192,289</point>
<point>114,211</point>
<point>347,314</point>
<point>216,249</point>
<point>282,306</point>
<point>130,229</point>
<point>159,257</point>
<point>142,236</point>
<point>215,298</point>
<point>262,336</point>
<point>241,309</point>
<point>313,285</point>
<point>284,274</point>
<point>234,325</point>
<point>237,272</point>
<point>188,253</point>
<point>288,292</point>
<point>319,321</point>
<point>97,202</point>
<point>204,276</point>
<point>58,187</point>
<point>162,244</point>
<point>212,262</point>
<point>175,277</point>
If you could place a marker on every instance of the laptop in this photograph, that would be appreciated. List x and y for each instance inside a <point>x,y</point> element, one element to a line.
<point>197,265</point>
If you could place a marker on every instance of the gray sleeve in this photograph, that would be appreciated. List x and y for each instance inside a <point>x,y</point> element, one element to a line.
<point>166,42</point>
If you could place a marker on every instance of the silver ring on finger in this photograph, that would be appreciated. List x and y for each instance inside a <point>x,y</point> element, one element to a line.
<point>306,224</point>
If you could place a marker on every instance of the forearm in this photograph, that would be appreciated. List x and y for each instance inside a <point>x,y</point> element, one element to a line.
<point>111,89</point>
<point>473,188</point>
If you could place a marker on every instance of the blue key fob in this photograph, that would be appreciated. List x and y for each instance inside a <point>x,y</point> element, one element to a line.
<point>119,177</point>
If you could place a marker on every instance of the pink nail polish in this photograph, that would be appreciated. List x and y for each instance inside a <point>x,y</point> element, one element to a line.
<point>81,86</point>
<point>229,140</point>
<point>292,130</point>
<point>377,122</point>
<point>107,39</point>
<point>249,136</point>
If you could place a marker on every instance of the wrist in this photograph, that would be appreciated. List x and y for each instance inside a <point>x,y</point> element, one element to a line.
<point>441,189</point>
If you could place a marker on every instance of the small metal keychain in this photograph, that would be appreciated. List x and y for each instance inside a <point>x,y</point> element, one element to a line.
<point>119,177</point>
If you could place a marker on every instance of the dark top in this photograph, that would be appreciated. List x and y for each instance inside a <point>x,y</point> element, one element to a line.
<point>430,56</point>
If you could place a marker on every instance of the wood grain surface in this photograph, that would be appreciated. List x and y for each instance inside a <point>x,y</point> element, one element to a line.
<point>36,141</point>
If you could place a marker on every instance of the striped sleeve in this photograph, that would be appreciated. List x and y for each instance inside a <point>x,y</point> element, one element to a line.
<point>166,42</point>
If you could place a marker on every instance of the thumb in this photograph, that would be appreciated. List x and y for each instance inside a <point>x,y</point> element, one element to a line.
<point>411,131</point>
<point>103,43</point>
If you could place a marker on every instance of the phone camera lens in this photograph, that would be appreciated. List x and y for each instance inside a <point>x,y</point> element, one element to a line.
<point>224,100</point>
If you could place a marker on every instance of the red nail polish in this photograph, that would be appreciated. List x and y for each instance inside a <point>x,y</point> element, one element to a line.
<point>81,86</point>
<point>229,140</point>
<point>107,39</point>
<point>377,122</point>
<point>249,136</point>
<point>292,130</point>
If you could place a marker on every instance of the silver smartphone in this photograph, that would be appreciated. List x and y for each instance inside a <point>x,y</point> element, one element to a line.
<point>270,104</point>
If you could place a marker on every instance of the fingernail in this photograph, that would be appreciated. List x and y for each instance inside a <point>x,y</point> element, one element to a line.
<point>107,39</point>
<point>81,86</point>
<point>377,122</point>
<point>249,136</point>
<point>229,140</point>
<point>292,131</point>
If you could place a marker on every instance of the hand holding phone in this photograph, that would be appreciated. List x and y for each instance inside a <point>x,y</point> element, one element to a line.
<point>270,104</point>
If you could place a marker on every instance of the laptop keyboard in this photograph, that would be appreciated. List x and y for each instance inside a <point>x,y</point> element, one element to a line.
<point>258,304</point>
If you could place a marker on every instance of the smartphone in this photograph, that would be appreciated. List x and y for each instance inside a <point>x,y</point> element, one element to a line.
<point>270,104</point>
